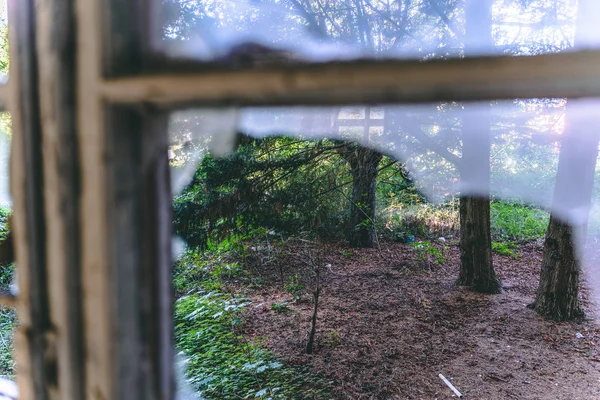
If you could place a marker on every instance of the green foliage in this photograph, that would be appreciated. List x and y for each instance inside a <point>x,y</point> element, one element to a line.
<point>294,286</point>
<point>4,51</point>
<point>222,365</point>
<point>332,338</point>
<point>509,221</point>
<point>280,184</point>
<point>508,249</point>
<point>427,254</point>
<point>7,316</point>
<point>517,222</point>
<point>5,213</point>
<point>207,272</point>
<point>8,320</point>
<point>281,308</point>
<point>346,253</point>
<point>426,220</point>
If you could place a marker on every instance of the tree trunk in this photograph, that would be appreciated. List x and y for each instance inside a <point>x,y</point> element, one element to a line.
<point>364,164</point>
<point>558,291</point>
<point>476,268</point>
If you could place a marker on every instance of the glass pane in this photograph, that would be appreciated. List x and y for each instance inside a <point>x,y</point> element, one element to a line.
<point>7,271</point>
<point>354,212</point>
<point>3,43</point>
<point>245,33</point>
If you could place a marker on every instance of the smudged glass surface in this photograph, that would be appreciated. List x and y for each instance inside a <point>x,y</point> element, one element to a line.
<point>246,33</point>
<point>525,139</point>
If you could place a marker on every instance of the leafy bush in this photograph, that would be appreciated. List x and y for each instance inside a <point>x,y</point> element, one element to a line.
<point>427,254</point>
<point>508,249</point>
<point>222,365</point>
<point>279,183</point>
<point>517,222</point>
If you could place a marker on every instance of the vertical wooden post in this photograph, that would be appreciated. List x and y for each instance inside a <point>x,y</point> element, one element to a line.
<point>125,219</point>
<point>35,360</point>
<point>56,49</point>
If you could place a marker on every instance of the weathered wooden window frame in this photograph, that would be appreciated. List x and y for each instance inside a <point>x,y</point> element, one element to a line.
<point>90,180</point>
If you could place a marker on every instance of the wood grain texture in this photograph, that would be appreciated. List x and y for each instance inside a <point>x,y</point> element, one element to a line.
<point>124,212</point>
<point>56,48</point>
<point>35,368</point>
<point>571,75</point>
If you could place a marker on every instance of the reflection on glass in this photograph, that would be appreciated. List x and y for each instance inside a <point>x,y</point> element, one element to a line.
<point>7,271</point>
<point>248,32</point>
<point>301,187</point>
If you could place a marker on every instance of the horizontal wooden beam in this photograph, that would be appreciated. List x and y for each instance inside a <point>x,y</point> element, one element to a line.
<point>568,74</point>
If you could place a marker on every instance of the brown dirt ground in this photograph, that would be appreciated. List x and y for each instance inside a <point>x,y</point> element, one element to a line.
<point>387,327</point>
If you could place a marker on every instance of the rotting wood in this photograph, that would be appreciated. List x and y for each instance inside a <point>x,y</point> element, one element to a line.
<point>569,74</point>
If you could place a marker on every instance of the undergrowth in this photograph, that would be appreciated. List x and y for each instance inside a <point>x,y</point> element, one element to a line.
<point>209,322</point>
<point>517,222</point>
<point>7,316</point>
<point>508,249</point>
<point>513,222</point>
<point>223,365</point>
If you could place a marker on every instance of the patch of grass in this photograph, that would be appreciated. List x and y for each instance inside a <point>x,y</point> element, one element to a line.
<point>7,326</point>
<point>205,272</point>
<point>508,249</point>
<point>281,308</point>
<point>222,365</point>
<point>346,253</point>
<point>510,221</point>
<point>425,220</point>
<point>517,222</point>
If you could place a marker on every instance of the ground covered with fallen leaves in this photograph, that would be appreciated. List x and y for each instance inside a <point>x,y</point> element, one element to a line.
<point>389,322</point>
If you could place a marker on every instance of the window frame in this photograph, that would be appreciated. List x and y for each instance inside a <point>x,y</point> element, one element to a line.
<point>90,175</point>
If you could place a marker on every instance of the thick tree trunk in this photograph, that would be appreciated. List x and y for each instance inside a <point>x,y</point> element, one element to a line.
<point>558,293</point>
<point>364,164</point>
<point>476,268</point>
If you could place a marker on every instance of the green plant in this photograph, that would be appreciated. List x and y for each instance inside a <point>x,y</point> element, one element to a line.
<point>294,286</point>
<point>508,249</point>
<point>332,338</point>
<point>517,222</point>
<point>281,308</point>
<point>346,253</point>
<point>427,253</point>
<point>222,365</point>
<point>7,326</point>
<point>426,220</point>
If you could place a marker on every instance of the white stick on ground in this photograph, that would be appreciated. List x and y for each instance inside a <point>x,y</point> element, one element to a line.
<point>451,386</point>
